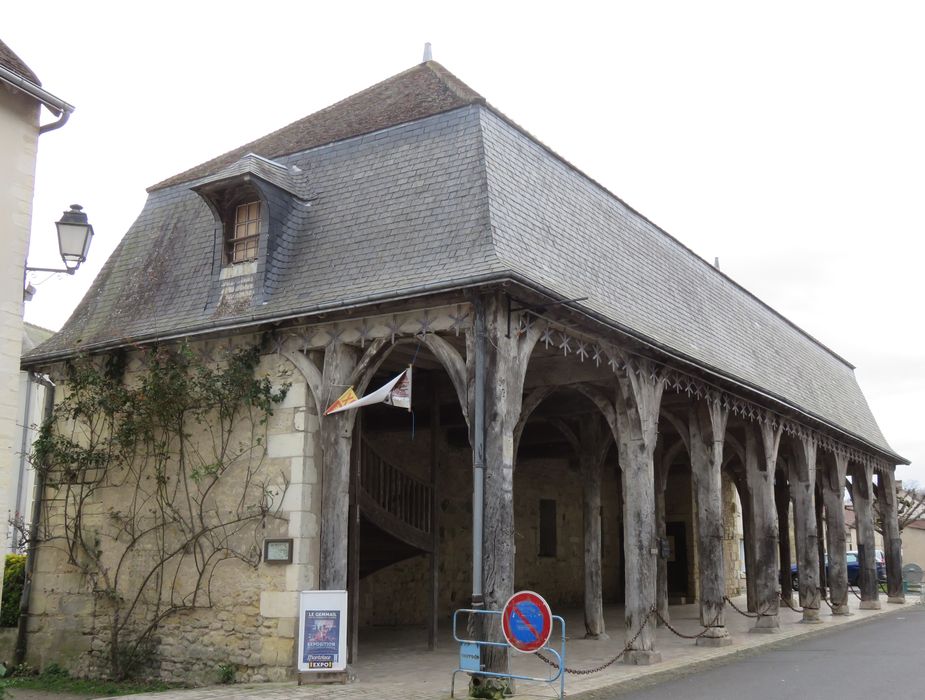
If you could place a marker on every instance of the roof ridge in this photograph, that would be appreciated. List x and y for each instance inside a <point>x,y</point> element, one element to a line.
<point>402,98</point>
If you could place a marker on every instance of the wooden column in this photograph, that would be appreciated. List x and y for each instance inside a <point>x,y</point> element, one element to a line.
<point>803,490</point>
<point>782,502</point>
<point>505,364</point>
<point>892,543</point>
<point>336,439</point>
<point>748,537</point>
<point>353,557</point>
<point>820,540</point>
<point>707,434</point>
<point>861,496</point>
<point>661,484</point>
<point>591,461</point>
<point>432,628</point>
<point>761,446</point>
<point>833,493</point>
<point>639,395</point>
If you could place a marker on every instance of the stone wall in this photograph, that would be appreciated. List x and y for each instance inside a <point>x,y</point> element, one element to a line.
<point>733,562</point>
<point>250,621</point>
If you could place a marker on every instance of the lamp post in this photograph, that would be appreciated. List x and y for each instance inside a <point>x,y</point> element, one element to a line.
<point>74,236</point>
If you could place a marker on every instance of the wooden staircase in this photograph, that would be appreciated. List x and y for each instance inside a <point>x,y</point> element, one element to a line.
<point>397,512</point>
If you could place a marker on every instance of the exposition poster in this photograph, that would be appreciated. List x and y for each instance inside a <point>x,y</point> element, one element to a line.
<point>322,630</point>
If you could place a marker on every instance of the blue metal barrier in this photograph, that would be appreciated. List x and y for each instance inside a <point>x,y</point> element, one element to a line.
<point>470,654</point>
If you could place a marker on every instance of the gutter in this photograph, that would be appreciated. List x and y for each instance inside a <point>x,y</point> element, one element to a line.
<point>55,105</point>
<point>253,320</point>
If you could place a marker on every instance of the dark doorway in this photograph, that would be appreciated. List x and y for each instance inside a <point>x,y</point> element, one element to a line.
<point>677,560</point>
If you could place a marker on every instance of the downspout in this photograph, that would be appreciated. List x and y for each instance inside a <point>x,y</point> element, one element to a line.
<point>19,653</point>
<point>478,454</point>
<point>24,446</point>
<point>56,105</point>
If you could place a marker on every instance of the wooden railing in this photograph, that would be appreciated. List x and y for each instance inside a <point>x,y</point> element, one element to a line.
<point>388,490</point>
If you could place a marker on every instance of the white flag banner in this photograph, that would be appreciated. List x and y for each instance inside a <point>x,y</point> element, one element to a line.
<point>395,392</point>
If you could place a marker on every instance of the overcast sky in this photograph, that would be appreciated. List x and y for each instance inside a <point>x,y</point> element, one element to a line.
<point>789,142</point>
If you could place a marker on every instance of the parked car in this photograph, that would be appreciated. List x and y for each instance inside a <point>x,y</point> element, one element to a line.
<point>854,569</point>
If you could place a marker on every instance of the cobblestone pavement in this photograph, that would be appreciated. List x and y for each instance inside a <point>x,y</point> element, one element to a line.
<point>395,663</point>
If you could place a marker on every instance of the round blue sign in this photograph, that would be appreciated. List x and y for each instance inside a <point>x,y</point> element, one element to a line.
<point>527,621</point>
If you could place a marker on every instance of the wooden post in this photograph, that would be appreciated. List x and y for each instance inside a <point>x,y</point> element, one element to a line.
<point>353,561</point>
<point>820,539</point>
<point>434,520</point>
<point>861,493</point>
<point>707,434</point>
<point>892,543</point>
<point>336,440</point>
<point>761,446</point>
<point>590,460</point>
<point>782,502</point>
<point>803,490</point>
<point>661,484</point>
<point>833,493</point>
<point>505,364</point>
<point>639,395</point>
<point>748,537</point>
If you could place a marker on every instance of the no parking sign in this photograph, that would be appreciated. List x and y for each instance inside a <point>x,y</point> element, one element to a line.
<point>526,621</point>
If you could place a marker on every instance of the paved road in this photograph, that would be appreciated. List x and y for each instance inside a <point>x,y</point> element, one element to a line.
<point>881,659</point>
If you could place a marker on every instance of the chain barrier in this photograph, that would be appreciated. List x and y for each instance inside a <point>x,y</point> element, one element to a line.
<point>706,629</point>
<point>611,662</point>
<point>745,613</point>
<point>855,593</point>
<point>787,602</point>
<point>653,612</point>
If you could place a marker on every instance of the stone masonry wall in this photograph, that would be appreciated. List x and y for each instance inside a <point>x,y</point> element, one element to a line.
<point>251,623</point>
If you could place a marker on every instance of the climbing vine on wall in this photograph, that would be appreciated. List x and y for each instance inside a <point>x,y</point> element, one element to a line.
<point>153,479</point>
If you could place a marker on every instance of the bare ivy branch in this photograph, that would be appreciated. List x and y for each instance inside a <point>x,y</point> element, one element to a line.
<point>158,450</point>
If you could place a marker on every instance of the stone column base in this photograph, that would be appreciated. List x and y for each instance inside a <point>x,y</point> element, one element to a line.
<point>869,605</point>
<point>841,610</point>
<point>898,599</point>
<point>721,641</point>
<point>766,624</point>
<point>642,657</point>
<point>810,617</point>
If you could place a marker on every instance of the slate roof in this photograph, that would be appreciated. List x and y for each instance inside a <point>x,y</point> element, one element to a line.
<point>421,91</point>
<point>453,194</point>
<point>10,60</point>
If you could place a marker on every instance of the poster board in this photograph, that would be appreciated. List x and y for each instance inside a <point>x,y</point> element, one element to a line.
<point>322,631</point>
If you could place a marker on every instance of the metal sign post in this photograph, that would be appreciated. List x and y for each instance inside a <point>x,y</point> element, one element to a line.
<point>527,623</point>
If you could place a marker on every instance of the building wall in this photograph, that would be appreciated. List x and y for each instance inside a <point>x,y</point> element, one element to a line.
<point>252,621</point>
<point>19,117</point>
<point>914,545</point>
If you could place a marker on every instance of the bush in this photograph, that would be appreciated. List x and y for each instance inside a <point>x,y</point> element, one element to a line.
<point>14,575</point>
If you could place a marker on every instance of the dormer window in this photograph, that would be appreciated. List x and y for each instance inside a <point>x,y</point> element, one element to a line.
<point>243,236</point>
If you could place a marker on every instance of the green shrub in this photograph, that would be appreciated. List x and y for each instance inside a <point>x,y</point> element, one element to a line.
<point>14,575</point>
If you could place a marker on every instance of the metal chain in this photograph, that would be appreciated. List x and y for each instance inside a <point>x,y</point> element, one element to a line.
<point>786,601</point>
<point>706,629</point>
<point>596,669</point>
<point>855,593</point>
<point>761,613</point>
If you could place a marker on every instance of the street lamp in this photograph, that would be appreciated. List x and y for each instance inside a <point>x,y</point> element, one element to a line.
<point>74,236</point>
